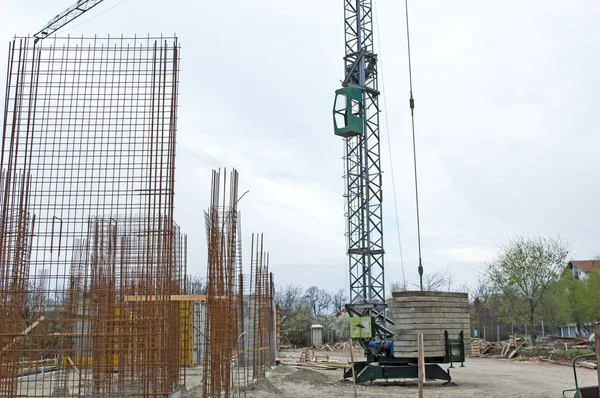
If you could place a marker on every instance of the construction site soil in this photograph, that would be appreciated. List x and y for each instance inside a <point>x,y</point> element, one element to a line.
<point>481,377</point>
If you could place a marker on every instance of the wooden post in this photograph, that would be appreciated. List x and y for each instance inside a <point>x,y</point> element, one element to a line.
<point>597,337</point>
<point>353,372</point>
<point>421,365</point>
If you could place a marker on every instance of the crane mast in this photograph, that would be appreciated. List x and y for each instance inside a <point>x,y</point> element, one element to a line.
<point>356,119</point>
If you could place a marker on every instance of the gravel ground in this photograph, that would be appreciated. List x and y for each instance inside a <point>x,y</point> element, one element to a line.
<point>481,377</point>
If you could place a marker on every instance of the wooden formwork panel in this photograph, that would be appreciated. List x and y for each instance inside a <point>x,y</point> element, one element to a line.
<point>430,314</point>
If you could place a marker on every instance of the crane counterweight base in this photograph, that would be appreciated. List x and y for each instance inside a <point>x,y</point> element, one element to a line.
<point>369,372</point>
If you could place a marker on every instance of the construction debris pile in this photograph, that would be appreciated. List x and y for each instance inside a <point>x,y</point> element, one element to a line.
<point>505,349</point>
<point>90,253</point>
<point>339,346</point>
<point>551,347</point>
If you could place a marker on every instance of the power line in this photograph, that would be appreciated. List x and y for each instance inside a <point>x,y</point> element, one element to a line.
<point>95,16</point>
<point>387,129</point>
<point>412,117</point>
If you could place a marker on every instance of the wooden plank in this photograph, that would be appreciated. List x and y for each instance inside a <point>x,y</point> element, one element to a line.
<point>430,315</point>
<point>352,366</point>
<point>441,303</point>
<point>408,300</point>
<point>433,326</point>
<point>514,352</point>
<point>446,322</point>
<point>25,333</point>
<point>73,365</point>
<point>437,314</point>
<point>173,297</point>
<point>429,304</point>
<point>430,299</point>
<point>177,297</point>
<point>421,364</point>
<point>441,324</point>
<point>414,353</point>
<point>431,329</point>
<point>409,345</point>
<point>439,340</point>
<point>425,310</point>
<point>475,349</point>
<point>428,294</point>
<point>454,329</point>
<point>414,336</point>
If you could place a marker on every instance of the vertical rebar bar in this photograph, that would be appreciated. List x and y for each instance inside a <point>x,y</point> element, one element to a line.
<point>89,250</point>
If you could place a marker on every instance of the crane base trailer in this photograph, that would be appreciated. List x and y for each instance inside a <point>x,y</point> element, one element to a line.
<point>387,367</point>
<point>392,353</point>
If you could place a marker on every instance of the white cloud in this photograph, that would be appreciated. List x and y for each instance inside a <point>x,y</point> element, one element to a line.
<point>506,99</point>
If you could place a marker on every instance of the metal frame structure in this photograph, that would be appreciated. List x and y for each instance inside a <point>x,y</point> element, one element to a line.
<point>89,250</point>
<point>356,118</point>
<point>240,314</point>
<point>65,17</point>
<point>363,166</point>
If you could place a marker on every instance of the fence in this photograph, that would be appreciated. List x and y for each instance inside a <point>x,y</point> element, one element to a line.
<point>499,332</point>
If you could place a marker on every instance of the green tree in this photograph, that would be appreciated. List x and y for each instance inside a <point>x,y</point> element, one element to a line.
<point>576,304</point>
<point>523,270</point>
<point>296,326</point>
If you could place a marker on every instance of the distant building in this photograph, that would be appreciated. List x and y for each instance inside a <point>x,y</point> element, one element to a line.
<point>568,330</point>
<point>580,268</point>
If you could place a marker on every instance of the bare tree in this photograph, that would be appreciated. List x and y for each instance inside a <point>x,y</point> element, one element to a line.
<point>398,286</point>
<point>439,280</point>
<point>523,269</point>
<point>339,300</point>
<point>318,300</point>
<point>288,297</point>
<point>196,284</point>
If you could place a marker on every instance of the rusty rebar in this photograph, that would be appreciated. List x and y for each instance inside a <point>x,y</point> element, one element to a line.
<point>90,255</point>
<point>222,308</point>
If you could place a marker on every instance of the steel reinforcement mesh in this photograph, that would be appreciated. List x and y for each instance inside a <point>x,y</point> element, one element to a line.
<point>89,250</point>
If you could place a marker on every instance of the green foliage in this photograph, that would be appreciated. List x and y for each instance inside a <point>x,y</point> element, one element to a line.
<point>522,272</point>
<point>593,293</point>
<point>299,310</point>
<point>335,328</point>
<point>575,300</point>
<point>296,326</point>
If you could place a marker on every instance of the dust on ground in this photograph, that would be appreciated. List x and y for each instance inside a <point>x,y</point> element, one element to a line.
<point>481,377</point>
<point>308,376</point>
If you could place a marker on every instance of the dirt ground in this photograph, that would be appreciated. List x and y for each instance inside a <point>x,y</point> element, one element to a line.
<point>481,377</point>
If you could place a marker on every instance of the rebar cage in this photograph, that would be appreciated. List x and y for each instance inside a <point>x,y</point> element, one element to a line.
<point>89,250</point>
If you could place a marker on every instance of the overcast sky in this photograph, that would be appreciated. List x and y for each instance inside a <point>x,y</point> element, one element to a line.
<point>507,107</point>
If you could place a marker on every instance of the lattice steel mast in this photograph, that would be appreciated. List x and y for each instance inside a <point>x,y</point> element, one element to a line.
<point>356,118</point>
<point>65,17</point>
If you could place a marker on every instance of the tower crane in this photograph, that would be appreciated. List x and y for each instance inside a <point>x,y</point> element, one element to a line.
<point>62,19</point>
<point>356,120</point>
